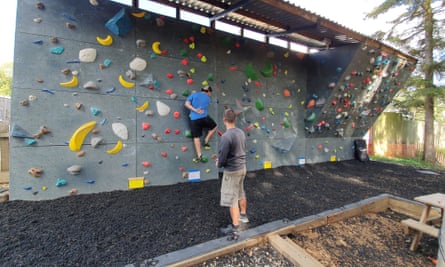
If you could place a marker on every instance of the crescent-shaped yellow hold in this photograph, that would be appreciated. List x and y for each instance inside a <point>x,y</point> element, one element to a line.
<point>116,148</point>
<point>107,41</point>
<point>73,83</point>
<point>143,107</point>
<point>125,83</point>
<point>139,14</point>
<point>79,135</point>
<point>155,47</point>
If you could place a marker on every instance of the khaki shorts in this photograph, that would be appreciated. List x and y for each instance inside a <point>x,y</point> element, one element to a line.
<point>232,188</point>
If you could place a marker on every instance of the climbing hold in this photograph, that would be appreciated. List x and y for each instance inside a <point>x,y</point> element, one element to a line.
<point>184,148</point>
<point>203,59</point>
<point>125,83</point>
<point>250,72</point>
<point>176,114</point>
<point>138,64</point>
<point>164,154</point>
<point>61,182</point>
<point>143,107</point>
<point>120,24</point>
<point>184,62</point>
<point>79,135</point>
<point>74,169</point>
<point>169,91</point>
<point>95,111</point>
<point>145,126</point>
<point>311,104</point>
<point>117,147</point>
<point>286,93</point>
<point>72,83</point>
<point>120,130</point>
<point>36,172</point>
<point>259,104</point>
<point>167,131</point>
<point>311,117</point>
<point>107,41</point>
<point>267,70</point>
<point>146,164</point>
<point>163,109</point>
<point>95,141</point>
<point>30,141</point>
<point>155,47</point>
<point>188,133</point>
<point>90,85</point>
<point>58,50</point>
<point>177,131</point>
<point>189,81</point>
<point>87,55</point>
<point>140,14</point>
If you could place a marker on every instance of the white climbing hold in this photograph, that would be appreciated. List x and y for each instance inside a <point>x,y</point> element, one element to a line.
<point>87,55</point>
<point>120,130</point>
<point>138,64</point>
<point>96,140</point>
<point>74,169</point>
<point>163,109</point>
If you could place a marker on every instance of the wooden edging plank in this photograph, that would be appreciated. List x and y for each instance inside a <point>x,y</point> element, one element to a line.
<point>411,208</point>
<point>293,252</point>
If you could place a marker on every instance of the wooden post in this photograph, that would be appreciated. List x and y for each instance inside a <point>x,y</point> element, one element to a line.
<point>441,252</point>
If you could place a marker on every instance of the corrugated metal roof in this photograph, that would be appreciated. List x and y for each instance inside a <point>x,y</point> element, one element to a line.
<point>279,19</point>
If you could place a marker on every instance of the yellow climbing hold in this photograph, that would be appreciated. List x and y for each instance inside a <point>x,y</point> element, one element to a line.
<point>79,135</point>
<point>72,83</point>
<point>116,148</point>
<point>125,83</point>
<point>107,41</point>
<point>143,107</point>
<point>155,47</point>
<point>139,14</point>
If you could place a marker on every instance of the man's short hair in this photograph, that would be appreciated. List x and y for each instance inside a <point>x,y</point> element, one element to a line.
<point>229,115</point>
<point>207,88</point>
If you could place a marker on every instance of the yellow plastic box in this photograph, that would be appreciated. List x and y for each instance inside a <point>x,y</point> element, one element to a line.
<point>136,182</point>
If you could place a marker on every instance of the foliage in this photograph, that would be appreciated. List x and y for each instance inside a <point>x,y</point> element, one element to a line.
<point>413,162</point>
<point>6,79</point>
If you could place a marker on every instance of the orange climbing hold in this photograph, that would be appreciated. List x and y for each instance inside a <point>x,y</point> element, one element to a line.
<point>286,93</point>
<point>311,104</point>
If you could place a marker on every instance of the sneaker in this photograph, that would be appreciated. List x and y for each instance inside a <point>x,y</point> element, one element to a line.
<point>207,146</point>
<point>197,159</point>
<point>243,218</point>
<point>230,230</point>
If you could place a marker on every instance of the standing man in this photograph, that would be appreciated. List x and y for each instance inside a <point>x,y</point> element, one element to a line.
<point>198,104</point>
<point>232,157</point>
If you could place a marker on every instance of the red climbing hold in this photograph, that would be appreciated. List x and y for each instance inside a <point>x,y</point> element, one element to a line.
<point>146,126</point>
<point>233,68</point>
<point>167,131</point>
<point>184,62</point>
<point>164,154</point>
<point>189,81</point>
<point>170,75</point>
<point>199,55</point>
<point>177,131</point>
<point>176,114</point>
<point>169,91</point>
<point>146,164</point>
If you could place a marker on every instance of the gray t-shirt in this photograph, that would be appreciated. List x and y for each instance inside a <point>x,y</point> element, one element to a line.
<point>232,150</point>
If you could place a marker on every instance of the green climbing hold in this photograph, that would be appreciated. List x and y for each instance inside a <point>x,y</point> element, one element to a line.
<point>186,93</point>
<point>311,118</point>
<point>250,72</point>
<point>188,133</point>
<point>259,104</point>
<point>204,159</point>
<point>268,69</point>
<point>184,52</point>
<point>286,122</point>
<point>210,77</point>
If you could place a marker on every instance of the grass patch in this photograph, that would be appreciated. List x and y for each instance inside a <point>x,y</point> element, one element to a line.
<point>413,162</point>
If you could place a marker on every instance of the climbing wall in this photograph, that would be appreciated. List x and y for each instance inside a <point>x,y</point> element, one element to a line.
<point>99,91</point>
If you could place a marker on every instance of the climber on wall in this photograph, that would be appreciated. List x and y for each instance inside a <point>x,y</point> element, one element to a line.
<point>198,104</point>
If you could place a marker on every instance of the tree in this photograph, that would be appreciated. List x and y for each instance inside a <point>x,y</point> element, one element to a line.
<point>419,30</point>
<point>5,79</point>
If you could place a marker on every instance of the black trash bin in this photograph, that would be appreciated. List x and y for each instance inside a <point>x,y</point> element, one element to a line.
<point>360,150</point>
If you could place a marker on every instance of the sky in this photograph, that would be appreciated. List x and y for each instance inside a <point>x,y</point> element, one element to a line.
<point>349,13</point>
